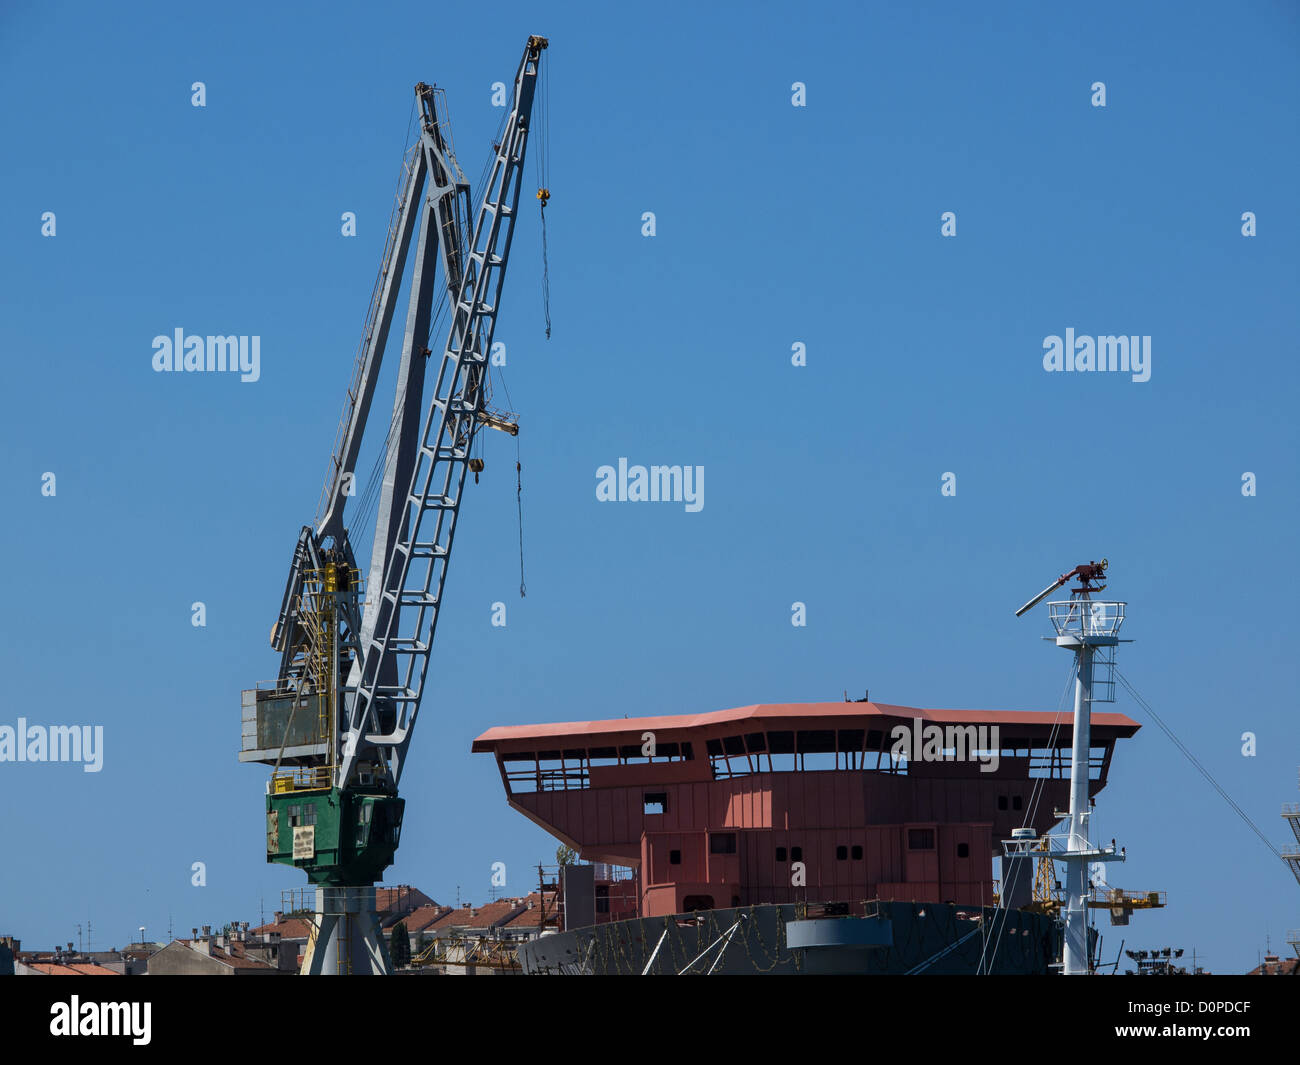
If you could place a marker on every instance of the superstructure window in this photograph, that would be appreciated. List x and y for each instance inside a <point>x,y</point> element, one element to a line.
<point>1015,802</point>
<point>602,898</point>
<point>841,854</point>
<point>656,802</point>
<point>1002,802</point>
<point>674,857</point>
<point>857,852</point>
<point>780,854</point>
<point>963,850</point>
<point>796,854</point>
<point>722,843</point>
<point>920,839</point>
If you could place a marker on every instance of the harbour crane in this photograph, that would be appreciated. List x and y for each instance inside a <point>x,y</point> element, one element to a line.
<point>354,651</point>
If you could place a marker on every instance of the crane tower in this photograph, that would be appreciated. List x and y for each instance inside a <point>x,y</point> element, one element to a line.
<point>354,645</point>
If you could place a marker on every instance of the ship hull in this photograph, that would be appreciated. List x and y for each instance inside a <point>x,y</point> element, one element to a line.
<point>892,938</point>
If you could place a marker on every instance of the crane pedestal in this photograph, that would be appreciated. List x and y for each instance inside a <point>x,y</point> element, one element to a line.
<point>346,939</point>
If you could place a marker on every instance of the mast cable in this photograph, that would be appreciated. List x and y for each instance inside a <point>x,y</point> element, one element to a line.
<point>1196,763</point>
<point>999,927</point>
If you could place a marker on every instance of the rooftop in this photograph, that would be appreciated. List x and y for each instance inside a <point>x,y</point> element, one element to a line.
<point>287,927</point>
<point>71,969</point>
<point>235,955</point>
<point>791,715</point>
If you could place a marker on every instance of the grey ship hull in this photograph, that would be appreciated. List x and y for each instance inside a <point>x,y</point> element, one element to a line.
<point>894,938</point>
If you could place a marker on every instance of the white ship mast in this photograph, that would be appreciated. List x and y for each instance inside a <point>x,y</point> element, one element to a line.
<point>1090,629</point>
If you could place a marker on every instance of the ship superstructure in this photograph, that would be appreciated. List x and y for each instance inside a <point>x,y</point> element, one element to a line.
<point>782,803</point>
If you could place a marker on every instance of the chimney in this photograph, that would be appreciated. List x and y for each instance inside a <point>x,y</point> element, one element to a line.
<point>280,916</point>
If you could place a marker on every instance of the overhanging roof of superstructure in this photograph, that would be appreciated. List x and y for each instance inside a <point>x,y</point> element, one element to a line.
<point>768,716</point>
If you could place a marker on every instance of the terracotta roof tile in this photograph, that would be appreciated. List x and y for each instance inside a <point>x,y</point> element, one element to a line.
<point>425,917</point>
<point>534,913</point>
<point>400,899</point>
<point>54,968</point>
<point>288,927</point>
<point>450,918</point>
<point>493,914</point>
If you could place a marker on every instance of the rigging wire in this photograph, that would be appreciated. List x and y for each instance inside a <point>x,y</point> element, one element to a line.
<point>519,504</point>
<point>367,503</point>
<point>546,276</point>
<point>544,185</point>
<point>999,927</point>
<point>519,488</point>
<point>1186,753</point>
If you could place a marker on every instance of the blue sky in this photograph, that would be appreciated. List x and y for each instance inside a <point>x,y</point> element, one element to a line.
<point>775,225</point>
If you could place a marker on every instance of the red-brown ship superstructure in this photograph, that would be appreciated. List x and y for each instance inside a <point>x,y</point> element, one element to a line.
<point>798,802</point>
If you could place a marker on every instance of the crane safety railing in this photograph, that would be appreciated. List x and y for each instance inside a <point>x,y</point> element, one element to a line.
<point>301,778</point>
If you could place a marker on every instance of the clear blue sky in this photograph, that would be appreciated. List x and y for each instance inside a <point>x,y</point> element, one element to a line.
<point>775,225</point>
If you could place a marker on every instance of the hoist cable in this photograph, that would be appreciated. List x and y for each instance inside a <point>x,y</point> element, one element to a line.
<point>544,183</point>
<point>519,504</point>
<point>546,276</point>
